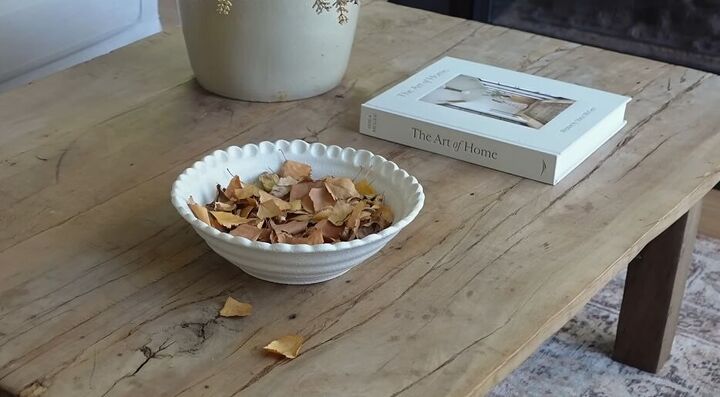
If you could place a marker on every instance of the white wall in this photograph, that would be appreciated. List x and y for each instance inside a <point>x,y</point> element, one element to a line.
<point>40,37</point>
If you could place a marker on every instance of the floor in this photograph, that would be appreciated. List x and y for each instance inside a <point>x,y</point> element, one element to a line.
<point>576,360</point>
<point>710,218</point>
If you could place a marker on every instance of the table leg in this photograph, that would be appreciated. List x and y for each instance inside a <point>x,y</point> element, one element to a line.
<point>654,290</point>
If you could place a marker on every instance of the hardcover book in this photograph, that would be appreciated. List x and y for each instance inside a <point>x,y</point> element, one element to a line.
<point>514,122</point>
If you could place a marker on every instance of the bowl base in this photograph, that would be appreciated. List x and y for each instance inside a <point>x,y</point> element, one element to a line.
<point>300,280</point>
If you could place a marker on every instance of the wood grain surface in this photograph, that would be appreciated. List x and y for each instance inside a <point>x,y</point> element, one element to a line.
<point>105,291</point>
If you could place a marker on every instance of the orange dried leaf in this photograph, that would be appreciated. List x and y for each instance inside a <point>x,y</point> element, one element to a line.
<point>235,308</point>
<point>229,191</point>
<point>339,213</point>
<point>264,235</point>
<point>386,214</point>
<point>315,237</point>
<point>292,227</point>
<point>297,170</point>
<point>299,190</point>
<point>363,187</point>
<point>288,346</point>
<point>353,220</point>
<point>289,207</point>
<point>220,206</point>
<point>341,188</point>
<point>245,212</point>
<point>228,219</point>
<point>248,231</point>
<point>321,198</point>
<point>199,211</point>
<point>268,209</point>
<point>234,183</point>
<point>329,231</point>
<point>246,192</point>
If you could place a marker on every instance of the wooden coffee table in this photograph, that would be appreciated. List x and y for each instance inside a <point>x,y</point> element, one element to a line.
<point>105,291</point>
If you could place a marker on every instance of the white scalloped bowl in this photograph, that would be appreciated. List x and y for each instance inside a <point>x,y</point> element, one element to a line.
<point>296,263</point>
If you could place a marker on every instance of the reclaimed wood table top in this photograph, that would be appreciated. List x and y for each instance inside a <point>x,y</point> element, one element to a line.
<point>106,291</point>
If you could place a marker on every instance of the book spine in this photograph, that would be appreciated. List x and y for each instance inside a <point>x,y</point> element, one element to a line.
<point>460,145</point>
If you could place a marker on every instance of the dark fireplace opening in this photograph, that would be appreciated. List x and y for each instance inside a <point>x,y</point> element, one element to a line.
<point>684,32</point>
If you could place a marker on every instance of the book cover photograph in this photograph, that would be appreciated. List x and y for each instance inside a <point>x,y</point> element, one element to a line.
<point>511,104</point>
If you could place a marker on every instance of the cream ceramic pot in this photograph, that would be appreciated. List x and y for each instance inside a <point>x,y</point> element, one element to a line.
<point>267,50</point>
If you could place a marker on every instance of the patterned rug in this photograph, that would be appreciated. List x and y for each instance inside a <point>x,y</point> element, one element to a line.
<point>576,360</point>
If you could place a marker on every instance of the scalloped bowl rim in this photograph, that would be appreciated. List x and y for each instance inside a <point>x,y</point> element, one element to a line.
<point>181,206</point>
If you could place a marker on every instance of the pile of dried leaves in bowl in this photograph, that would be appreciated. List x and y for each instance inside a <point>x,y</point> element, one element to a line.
<point>290,207</point>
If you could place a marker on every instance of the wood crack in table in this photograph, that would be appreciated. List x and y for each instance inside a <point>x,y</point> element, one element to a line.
<point>105,291</point>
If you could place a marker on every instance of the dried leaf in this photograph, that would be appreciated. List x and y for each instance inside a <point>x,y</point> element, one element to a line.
<point>234,308</point>
<point>268,180</point>
<point>200,211</point>
<point>228,219</point>
<point>246,192</point>
<point>353,220</point>
<point>214,223</point>
<point>292,227</point>
<point>299,171</point>
<point>288,346</point>
<point>234,183</point>
<point>321,198</point>
<point>330,232</point>
<point>264,235</point>
<point>294,209</point>
<point>386,215</point>
<point>227,207</point>
<point>287,181</point>
<point>341,188</point>
<point>339,213</point>
<point>295,206</point>
<point>299,190</point>
<point>268,209</point>
<point>363,187</point>
<point>315,237</point>
<point>248,231</point>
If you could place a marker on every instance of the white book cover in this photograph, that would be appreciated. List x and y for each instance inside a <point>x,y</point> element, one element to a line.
<point>514,122</point>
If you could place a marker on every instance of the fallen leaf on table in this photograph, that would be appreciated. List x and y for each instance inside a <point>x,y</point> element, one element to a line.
<point>288,346</point>
<point>297,170</point>
<point>341,188</point>
<point>235,308</point>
